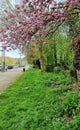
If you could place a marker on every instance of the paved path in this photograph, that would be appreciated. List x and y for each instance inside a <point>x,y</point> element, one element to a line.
<point>6,78</point>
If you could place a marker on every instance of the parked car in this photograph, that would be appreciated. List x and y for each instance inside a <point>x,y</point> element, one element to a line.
<point>10,67</point>
<point>0,67</point>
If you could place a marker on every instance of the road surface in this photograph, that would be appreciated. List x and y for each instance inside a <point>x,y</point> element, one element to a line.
<point>6,78</point>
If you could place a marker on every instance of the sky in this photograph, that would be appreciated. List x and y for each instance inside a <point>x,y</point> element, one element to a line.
<point>12,53</point>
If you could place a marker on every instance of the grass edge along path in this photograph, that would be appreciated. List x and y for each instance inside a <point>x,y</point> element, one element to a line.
<point>40,101</point>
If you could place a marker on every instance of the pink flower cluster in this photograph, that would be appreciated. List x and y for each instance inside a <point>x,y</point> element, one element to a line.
<point>36,19</point>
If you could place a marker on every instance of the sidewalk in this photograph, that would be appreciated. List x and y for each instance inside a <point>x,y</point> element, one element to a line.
<point>6,78</point>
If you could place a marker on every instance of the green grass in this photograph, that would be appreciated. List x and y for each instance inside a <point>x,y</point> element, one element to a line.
<point>40,101</point>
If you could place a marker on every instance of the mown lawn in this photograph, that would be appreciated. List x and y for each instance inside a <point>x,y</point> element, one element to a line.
<point>40,101</point>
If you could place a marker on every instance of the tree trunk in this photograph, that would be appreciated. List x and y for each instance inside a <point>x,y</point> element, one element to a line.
<point>76,62</point>
<point>41,57</point>
<point>78,77</point>
<point>55,55</point>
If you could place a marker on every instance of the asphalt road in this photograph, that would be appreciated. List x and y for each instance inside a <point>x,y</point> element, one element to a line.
<point>6,78</point>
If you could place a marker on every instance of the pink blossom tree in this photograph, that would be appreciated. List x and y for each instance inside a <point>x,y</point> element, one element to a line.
<point>28,23</point>
<point>32,21</point>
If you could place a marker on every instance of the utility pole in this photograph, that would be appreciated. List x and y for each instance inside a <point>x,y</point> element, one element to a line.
<point>20,60</point>
<point>3,59</point>
<point>3,46</point>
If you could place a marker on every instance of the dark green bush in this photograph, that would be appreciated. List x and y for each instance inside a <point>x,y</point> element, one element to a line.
<point>75,123</point>
<point>70,104</point>
<point>57,69</point>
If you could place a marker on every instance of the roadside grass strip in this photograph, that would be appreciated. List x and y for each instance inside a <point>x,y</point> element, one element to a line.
<point>40,101</point>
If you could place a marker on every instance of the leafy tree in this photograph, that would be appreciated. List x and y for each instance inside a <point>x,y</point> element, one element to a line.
<point>58,50</point>
<point>32,53</point>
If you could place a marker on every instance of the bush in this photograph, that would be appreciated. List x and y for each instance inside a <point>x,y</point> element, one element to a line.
<point>75,124</point>
<point>49,68</point>
<point>70,104</point>
<point>57,69</point>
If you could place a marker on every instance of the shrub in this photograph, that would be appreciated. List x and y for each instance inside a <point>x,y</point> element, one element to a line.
<point>70,104</point>
<point>57,69</point>
<point>75,124</point>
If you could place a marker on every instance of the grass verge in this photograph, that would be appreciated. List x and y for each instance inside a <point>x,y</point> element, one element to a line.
<point>40,101</point>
